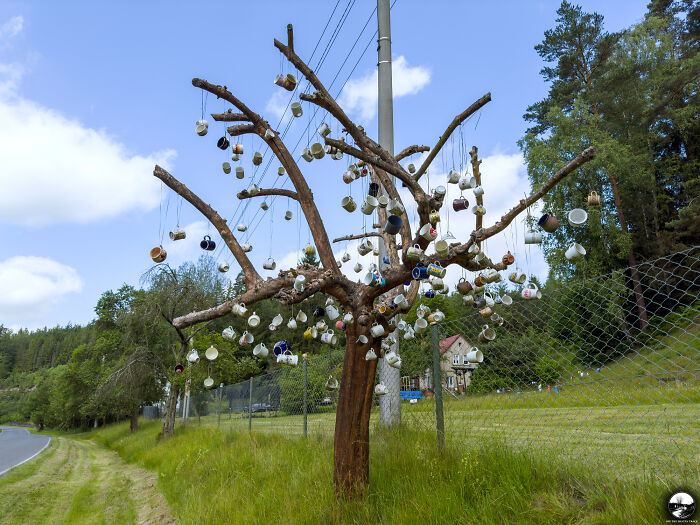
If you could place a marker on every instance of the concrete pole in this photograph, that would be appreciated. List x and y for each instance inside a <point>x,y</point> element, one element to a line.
<point>390,404</point>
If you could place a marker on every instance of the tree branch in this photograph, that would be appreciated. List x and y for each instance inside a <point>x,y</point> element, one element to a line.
<point>270,191</point>
<point>446,135</point>
<point>229,116</point>
<point>358,236</point>
<point>223,92</point>
<point>241,129</point>
<point>411,150</point>
<point>477,175</point>
<point>251,275</point>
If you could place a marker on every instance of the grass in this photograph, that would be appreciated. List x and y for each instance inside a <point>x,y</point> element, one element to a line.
<point>77,481</point>
<point>209,476</point>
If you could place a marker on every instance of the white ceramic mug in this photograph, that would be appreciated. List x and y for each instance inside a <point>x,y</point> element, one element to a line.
<point>479,190</point>
<point>369,205</point>
<point>329,337</point>
<point>575,252</point>
<point>317,150</point>
<point>391,357</point>
<point>428,232</point>
<point>254,320</point>
<point>306,155</point>
<point>348,204</point>
<point>506,300</point>
<point>292,324</point>
<point>414,252</point>
<point>377,330</point>
<point>357,267</point>
<point>345,257</point>
<point>296,109</point>
<point>239,172</point>
<point>324,129</point>
<point>531,292</point>
<point>301,317</point>
<point>277,320</point>
<point>438,316</point>
<point>269,264</point>
<point>239,309</point>
<point>533,237</point>
<point>300,283</point>
<point>577,217</point>
<point>260,350</point>
<point>380,389</point>
<point>383,201</point>
<point>332,312</point>
<point>420,325</point>
<point>395,207</point>
<point>475,356</point>
<point>401,301</point>
<point>253,189</point>
<point>442,248</point>
<point>362,339</point>
<point>370,355</point>
<point>228,333</point>
<point>269,134</point>
<point>226,167</point>
<point>348,319</point>
<point>223,267</point>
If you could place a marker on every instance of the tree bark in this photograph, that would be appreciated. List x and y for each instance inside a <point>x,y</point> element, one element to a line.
<point>170,406</point>
<point>351,453</point>
<point>134,421</point>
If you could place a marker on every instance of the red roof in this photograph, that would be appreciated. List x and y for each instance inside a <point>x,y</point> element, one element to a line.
<point>446,343</point>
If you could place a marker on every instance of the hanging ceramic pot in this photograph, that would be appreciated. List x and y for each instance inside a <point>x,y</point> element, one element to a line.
<point>478,210</point>
<point>464,287</point>
<point>235,157</point>
<point>439,192</point>
<point>202,127</point>
<point>223,267</point>
<point>575,252</point>
<point>158,254</point>
<point>260,350</point>
<point>223,143</point>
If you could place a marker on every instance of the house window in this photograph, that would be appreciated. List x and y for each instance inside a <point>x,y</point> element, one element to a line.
<point>464,359</point>
<point>455,359</point>
<point>451,381</point>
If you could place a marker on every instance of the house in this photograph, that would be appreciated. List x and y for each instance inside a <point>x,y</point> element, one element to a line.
<point>456,370</point>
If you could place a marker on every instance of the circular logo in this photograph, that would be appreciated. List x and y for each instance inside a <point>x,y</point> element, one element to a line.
<point>681,505</point>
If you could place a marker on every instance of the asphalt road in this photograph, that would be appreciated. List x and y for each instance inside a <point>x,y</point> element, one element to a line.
<point>17,445</point>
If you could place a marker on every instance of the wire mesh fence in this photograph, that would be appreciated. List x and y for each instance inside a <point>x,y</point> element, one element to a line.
<point>604,370</point>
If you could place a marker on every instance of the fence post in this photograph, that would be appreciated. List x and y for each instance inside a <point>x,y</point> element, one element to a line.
<point>250,405</point>
<point>437,388</point>
<point>218,405</point>
<point>305,394</point>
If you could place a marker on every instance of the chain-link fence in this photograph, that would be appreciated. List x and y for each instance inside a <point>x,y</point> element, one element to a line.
<point>604,370</point>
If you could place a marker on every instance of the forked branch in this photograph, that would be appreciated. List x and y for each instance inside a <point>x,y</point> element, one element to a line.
<point>411,150</point>
<point>357,236</point>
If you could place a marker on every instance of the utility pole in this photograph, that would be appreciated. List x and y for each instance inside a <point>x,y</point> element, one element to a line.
<point>390,404</point>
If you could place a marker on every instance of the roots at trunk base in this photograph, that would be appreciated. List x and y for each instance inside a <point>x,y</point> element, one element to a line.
<point>351,447</point>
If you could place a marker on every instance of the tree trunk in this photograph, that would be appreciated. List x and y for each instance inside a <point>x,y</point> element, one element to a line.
<point>636,283</point>
<point>351,454</point>
<point>170,405</point>
<point>134,421</point>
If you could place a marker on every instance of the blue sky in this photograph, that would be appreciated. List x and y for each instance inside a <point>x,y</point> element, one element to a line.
<point>93,94</point>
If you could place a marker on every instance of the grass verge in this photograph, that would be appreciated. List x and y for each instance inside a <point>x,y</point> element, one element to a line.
<point>210,476</point>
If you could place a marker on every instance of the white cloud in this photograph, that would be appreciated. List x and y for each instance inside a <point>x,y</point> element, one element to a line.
<point>277,104</point>
<point>31,285</point>
<point>55,170</point>
<point>11,28</point>
<point>359,95</point>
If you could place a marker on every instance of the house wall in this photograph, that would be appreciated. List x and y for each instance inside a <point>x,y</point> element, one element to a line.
<point>460,347</point>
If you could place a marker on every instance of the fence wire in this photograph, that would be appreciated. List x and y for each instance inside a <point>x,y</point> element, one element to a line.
<point>604,370</point>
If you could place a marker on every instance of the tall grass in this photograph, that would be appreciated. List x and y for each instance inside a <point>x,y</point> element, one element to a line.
<point>210,476</point>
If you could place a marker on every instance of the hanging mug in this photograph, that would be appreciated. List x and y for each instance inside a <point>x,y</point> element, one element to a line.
<point>340,325</point>
<point>475,356</point>
<point>393,225</point>
<point>434,217</point>
<point>517,277</point>
<point>414,253</point>
<point>490,301</point>
<point>292,324</point>
<point>548,223</point>
<point>158,254</point>
<point>277,320</point>
<point>329,338</point>
<point>383,201</point>
<point>508,259</point>
<point>395,207</point>
<point>357,268</point>
<point>420,273</point>
<point>369,205</point>
<point>257,158</point>
<point>411,167</point>
<point>452,177</point>
<point>306,155</point>
<point>348,204</point>
<point>317,150</point>
<point>468,299</point>
<point>348,319</point>
<point>207,244</point>
<point>370,355</point>
<point>485,311</point>
<point>460,204</point>
<point>301,316</point>
<point>373,189</point>
<point>223,267</point>
<point>332,383</point>
<point>253,190</point>
<point>246,338</point>
<point>531,292</point>
<point>533,237</point>
<point>192,356</point>
<point>345,257</point>
<point>288,82</point>
<point>428,232</point>
<point>202,127</point>
<point>490,275</point>
<point>436,269</point>
<point>239,309</point>
<point>464,286</point>
<point>241,227</point>
<point>575,252</point>
<point>478,191</point>
<point>420,325</point>
<point>401,301</point>
<point>442,248</point>
<point>409,334</point>
<point>332,312</point>
<point>362,339</point>
<point>288,215</point>
<point>296,109</point>
<point>254,320</point>
<point>436,282</point>
<point>235,157</point>
<point>246,247</point>
<point>429,294</point>
<point>438,316</point>
<point>239,172</point>
<point>478,210</point>
<point>281,171</point>
<point>506,300</point>
<point>260,350</point>
<point>300,283</point>
<point>348,177</point>
<point>377,330</point>
<point>324,130</point>
<point>177,234</point>
<point>223,143</point>
<point>226,167</point>
<point>264,206</point>
<point>391,358</point>
<point>380,389</point>
<point>228,333</point>
<point>577,217</point>
<point>269,264</point>
<point>269,134</point>
<point>439,192</point>
<point>467,182</point>
<point>593,199</point>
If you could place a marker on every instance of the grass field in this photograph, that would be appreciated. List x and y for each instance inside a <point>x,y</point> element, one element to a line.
<point>76,481</point>
<point>210,476</point>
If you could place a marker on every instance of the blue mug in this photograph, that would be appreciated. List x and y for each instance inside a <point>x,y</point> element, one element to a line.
<point>385,259</point>
<point>207,244</point>
<point>420,272</point>
<point>436,270</point>
<point>319,312</point>
<point>373,189</point>
<point>223,143</point>
<point>393,225</point>
<point>429,294</point>
<point>281,347</point>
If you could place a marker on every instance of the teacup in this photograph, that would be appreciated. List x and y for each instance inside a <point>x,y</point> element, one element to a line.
<point>479,190</point>
<point>306,155</point>
<point>362,339</point>
<point>202,126</point>
<point>158,254</point>
<point>348,319</point>
<point>246,338</point>
<point>260,350</point>
<point>292,324</point>
<point>369,205</point>
<point>370,355</point>
<point>239,309</point>
<point>395,207</point>
<point>377,330</point>
<point>223,267</point>
<point>317,150</point>
<point>228,333</point>
<point>380,389</point>
<point>301,317</point>
<point>452,177</point>
<point>207,244</point>
<point>357,268</point>
<point>254,320</point>
<point>300,283</point>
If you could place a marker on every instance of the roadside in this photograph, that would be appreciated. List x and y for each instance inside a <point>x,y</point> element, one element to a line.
<point>76,481</point>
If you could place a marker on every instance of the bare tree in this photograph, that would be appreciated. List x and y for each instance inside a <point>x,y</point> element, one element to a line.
<point>351,452</point>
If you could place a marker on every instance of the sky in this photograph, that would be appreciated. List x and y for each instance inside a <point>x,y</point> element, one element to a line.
<point>93,95</point>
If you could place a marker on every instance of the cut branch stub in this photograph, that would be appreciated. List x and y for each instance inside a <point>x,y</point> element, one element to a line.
<point>263,192</point>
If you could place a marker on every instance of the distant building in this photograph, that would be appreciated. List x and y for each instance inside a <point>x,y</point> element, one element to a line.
<point>456,371</point>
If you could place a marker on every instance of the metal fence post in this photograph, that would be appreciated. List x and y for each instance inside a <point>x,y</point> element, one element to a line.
<point>250,405</point>
<point>305,394</point>
<point>437,388</point>
<point>218,405</point>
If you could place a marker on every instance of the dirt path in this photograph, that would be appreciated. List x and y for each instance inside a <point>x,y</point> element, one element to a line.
<point>76,481</point>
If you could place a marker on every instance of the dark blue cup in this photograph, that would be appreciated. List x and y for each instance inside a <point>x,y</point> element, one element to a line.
<point>420,272</point>
<point>207,244</point>
<point>393,225</point>
<point>429,294</point>
<point>373,189</point>
<point>385,259</point>
<point>223,143</point>
<point>281,347</point>
<point>319,312</point>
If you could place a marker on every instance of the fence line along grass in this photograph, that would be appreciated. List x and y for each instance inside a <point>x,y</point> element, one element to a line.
<point>210,476</point>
